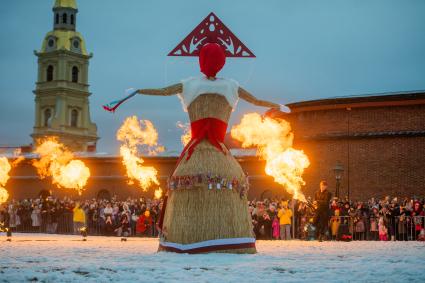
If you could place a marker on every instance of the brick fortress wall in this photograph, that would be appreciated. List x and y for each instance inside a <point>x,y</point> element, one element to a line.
<point>381,147</point>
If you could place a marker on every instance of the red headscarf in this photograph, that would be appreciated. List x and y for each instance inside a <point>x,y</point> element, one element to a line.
<point>211,59</point>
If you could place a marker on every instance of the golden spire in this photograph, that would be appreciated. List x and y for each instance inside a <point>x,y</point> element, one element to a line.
<point>65,4</point>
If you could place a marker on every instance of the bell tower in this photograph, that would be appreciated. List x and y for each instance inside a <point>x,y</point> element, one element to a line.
<point>62,89</point>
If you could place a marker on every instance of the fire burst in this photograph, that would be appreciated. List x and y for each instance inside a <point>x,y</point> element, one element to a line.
<point>273,139</point>
<point>158,193</point>
<point>134,134</point>
<point>5,168</point>
<point>59,163</point>
<point>187,134</point>
<point>4,176</point>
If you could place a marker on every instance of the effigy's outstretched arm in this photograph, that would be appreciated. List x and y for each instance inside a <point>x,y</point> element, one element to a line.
<point>165,91</point>
<point>245,95</point>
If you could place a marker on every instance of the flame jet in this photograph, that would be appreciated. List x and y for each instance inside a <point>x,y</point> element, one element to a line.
<point>134,134</point>
<point>273,139</point>
<point>187,133</point>
<point>4,176</point>
<point>59,163</point>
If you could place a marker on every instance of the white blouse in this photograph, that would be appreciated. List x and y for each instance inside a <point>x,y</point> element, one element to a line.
<point>193,87</point>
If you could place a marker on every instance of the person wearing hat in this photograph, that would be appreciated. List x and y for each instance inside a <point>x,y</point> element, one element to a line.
<point>322,197</point>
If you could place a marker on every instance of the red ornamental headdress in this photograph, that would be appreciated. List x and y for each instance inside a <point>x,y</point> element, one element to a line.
<point>211,30</point>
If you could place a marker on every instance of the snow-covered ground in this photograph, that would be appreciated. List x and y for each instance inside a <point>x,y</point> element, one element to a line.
<point>54,258</point>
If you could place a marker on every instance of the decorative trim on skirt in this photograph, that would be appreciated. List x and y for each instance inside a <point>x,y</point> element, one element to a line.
<point>208,246</point>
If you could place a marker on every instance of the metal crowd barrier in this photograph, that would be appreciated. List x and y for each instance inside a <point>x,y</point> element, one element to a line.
<point>399,228</point>
<point>63,224</point>
<point>355,228</point>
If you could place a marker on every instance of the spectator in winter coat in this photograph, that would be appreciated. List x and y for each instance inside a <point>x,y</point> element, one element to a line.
<point>322,197</point>
<point>383,231</point>
<point>36,217</point>
<point>144,224</point>
<point>402,225</point>
<point>276,228</point>
<point>359,223</point>
<point>124,228</point>
<point>78,218</point>
<point>374,219</point>
<point>14,217</point>
<point>418,218</point>
<point>107,210</point>
<point>109,225</point>
<point>285,221</point>
<point>335,221</point>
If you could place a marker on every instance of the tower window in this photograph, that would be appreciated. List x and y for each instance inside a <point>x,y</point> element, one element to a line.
<point>47,116</point>
<point>49,73</point>
<point>64,19</point>
<point>51,42</point>
<point>74,118</point>
<point>57,18</point>
<point>72,19</point>
<point>75,72</point>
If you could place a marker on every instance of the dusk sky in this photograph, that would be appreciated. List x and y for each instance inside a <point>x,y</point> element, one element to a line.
<point>305,50</point>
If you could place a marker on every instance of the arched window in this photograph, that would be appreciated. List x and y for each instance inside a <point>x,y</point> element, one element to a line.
<point>47,115</point>
<point>75,74</point>
<point>49,73</point>
<point>74,118</point>
<point>57,18</point>
<point>64,18</point>
<point>72,19</point>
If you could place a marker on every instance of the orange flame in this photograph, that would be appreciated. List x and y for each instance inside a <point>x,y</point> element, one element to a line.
<point>59,163</point>
<point>158,193</point>
<point>187,133</point>
<point>4,176</point>
<point>133,134</point>
<point>5,168</point>
<point>19,158</point>
<point>273,139</point>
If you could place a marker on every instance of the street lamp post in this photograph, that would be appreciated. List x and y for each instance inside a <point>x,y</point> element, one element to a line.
<point>338,170</point>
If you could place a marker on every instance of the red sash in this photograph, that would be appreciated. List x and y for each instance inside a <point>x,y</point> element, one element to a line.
<point>211,129</point>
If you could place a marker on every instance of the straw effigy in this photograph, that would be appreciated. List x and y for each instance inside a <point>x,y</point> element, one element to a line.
<point>197,213</point>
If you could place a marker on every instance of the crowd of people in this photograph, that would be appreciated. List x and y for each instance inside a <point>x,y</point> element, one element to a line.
<point>320,218</point>
<point>327,218</point>
<point>97,217</point>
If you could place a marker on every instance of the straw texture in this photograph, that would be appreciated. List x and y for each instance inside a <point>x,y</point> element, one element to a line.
<point>196,213</point>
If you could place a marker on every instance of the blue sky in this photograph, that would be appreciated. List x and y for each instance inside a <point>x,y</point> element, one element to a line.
<point>306,49</point>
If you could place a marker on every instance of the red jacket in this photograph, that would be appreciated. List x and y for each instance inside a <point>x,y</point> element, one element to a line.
<point>143,223</point>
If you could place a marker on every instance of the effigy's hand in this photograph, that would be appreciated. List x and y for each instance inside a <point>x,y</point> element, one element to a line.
<point>112,106</point>
<point>277,112</point>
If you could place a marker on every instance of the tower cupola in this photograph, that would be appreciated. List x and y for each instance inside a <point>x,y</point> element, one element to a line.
<point>65,15</point>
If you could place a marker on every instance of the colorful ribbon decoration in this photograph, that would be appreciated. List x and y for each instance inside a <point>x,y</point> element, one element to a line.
<point>112,106</point>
